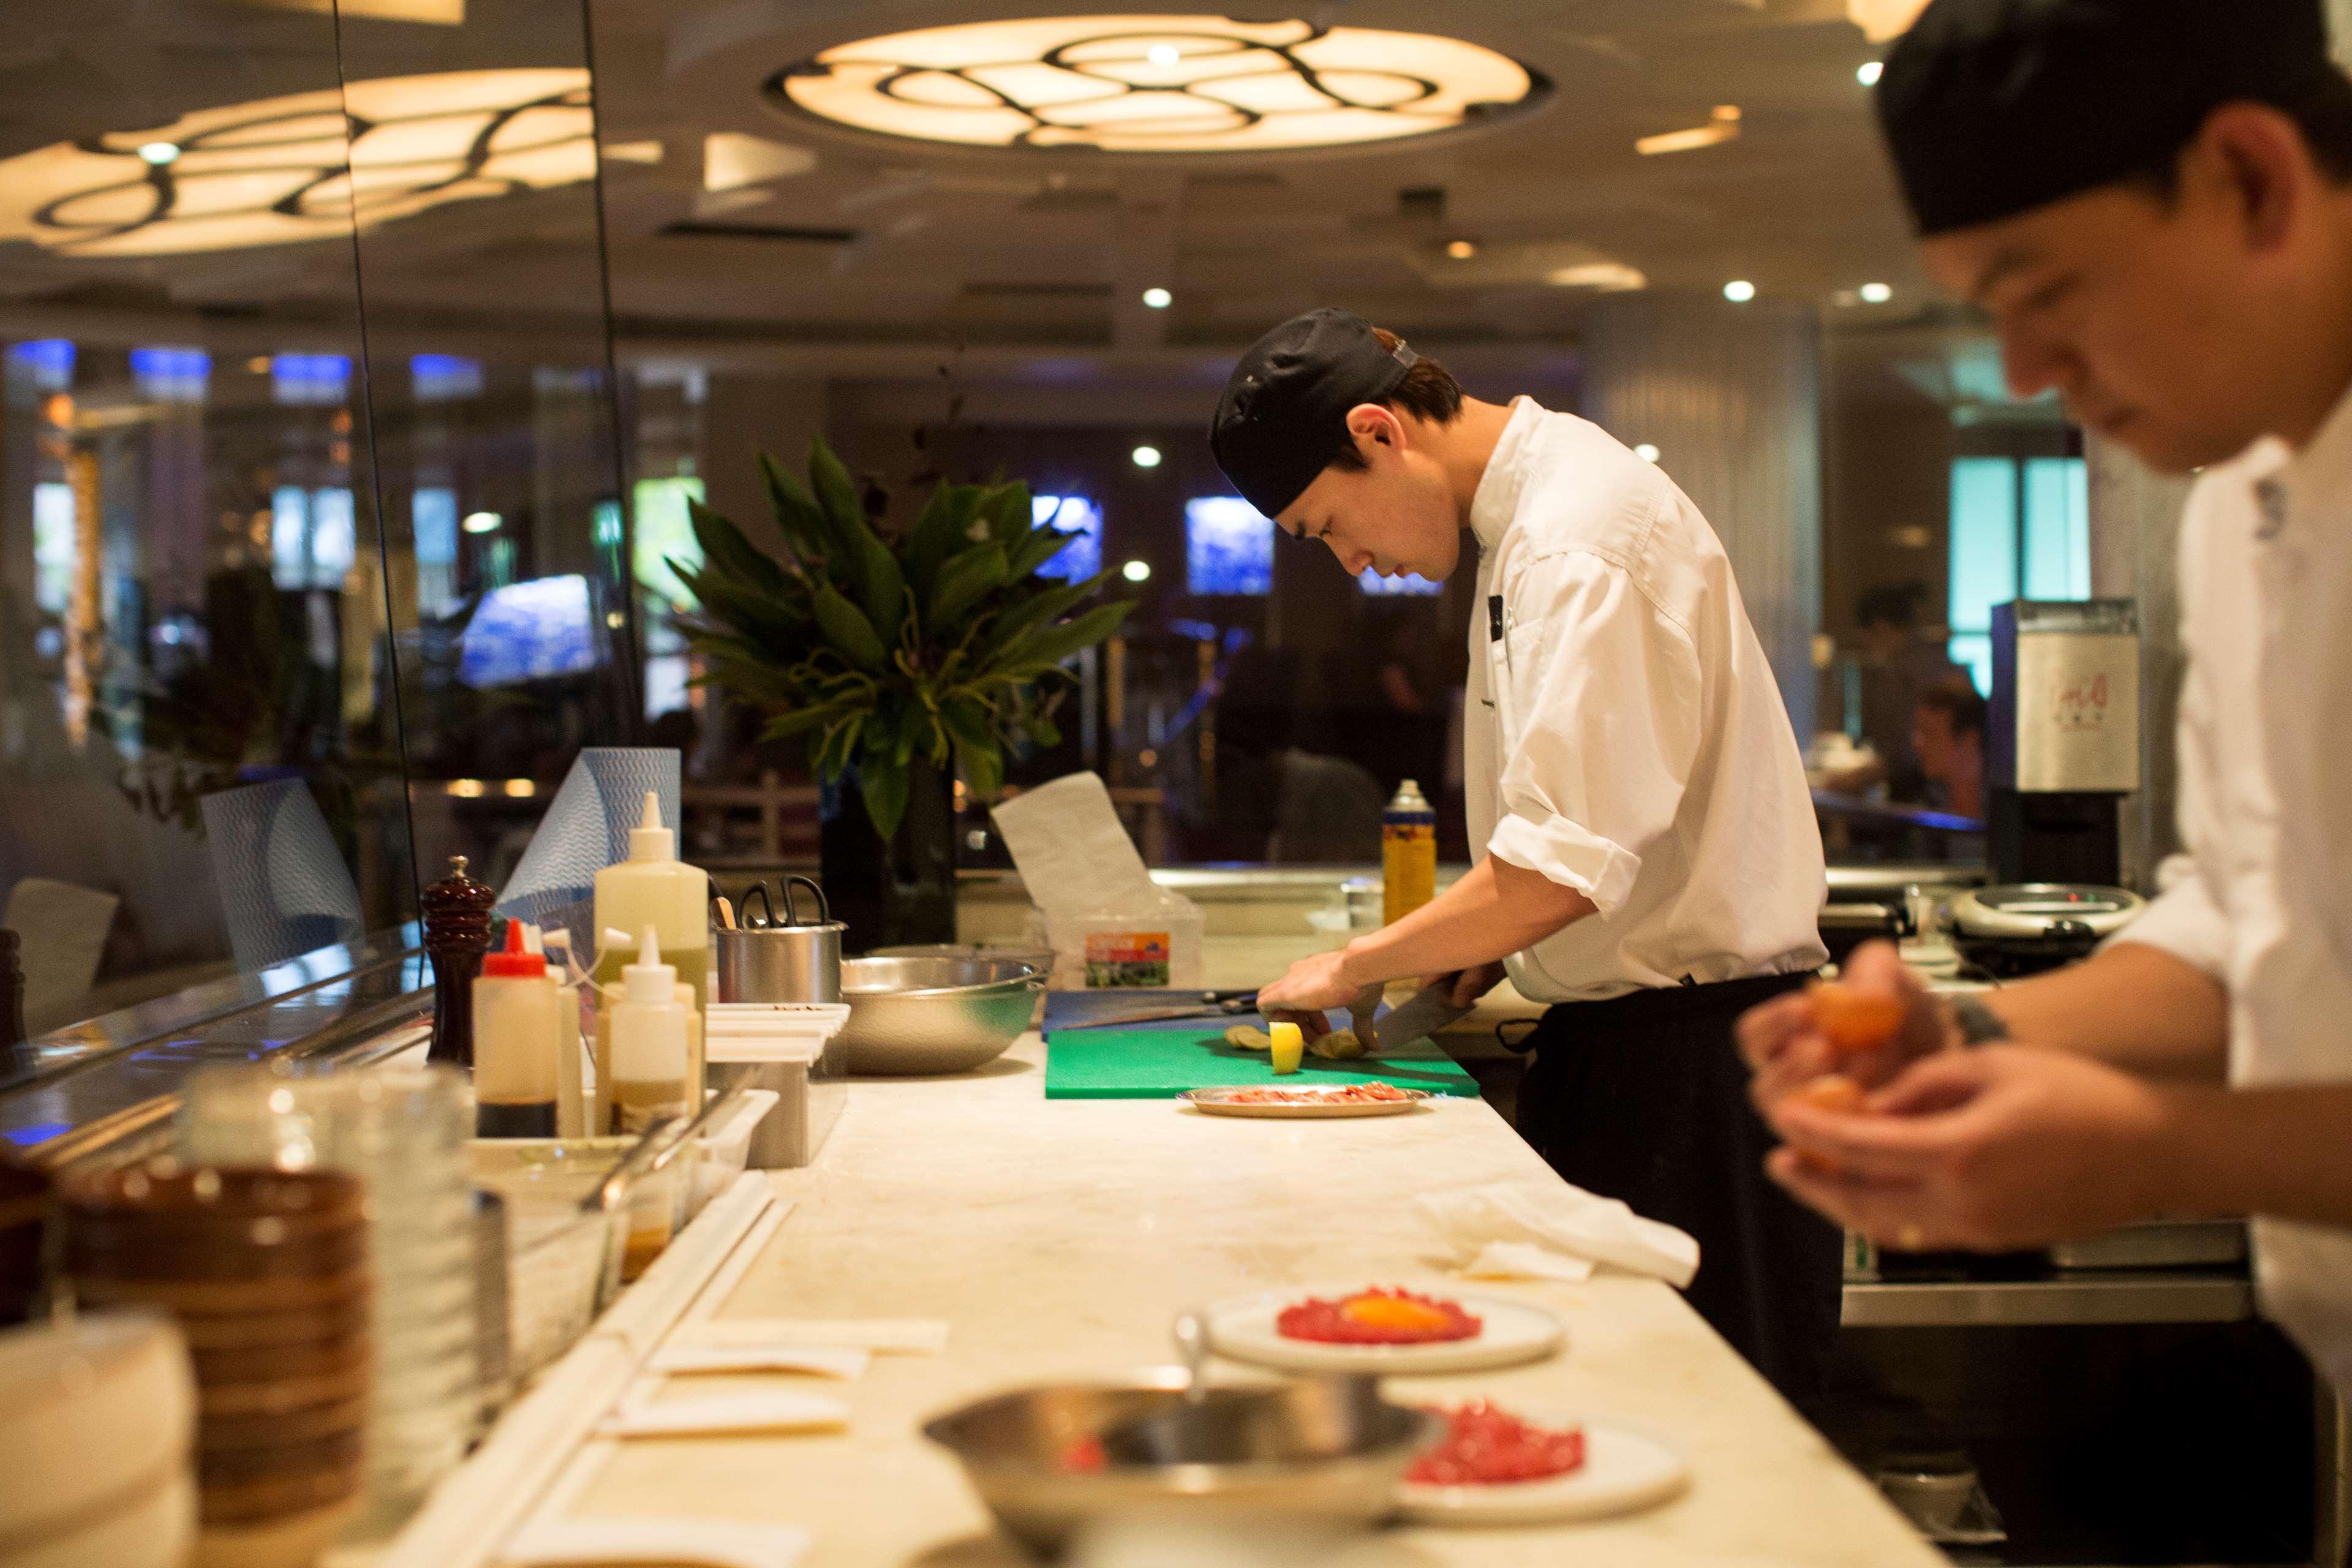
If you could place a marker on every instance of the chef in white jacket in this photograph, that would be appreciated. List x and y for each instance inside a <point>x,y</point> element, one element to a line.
<point>1649,860</point>
<point>2152,199</point>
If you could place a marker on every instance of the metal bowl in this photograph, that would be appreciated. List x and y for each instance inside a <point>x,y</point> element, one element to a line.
<point>1324,1451</point>
<point>934,1015</point>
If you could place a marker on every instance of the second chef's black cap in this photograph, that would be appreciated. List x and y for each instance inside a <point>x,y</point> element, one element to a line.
<point>1993,108</point>
<point>1284,415</point>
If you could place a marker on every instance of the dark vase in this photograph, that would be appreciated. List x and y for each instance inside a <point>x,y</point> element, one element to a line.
<point>895,894</point>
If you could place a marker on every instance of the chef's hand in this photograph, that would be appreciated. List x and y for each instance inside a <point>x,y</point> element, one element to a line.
<point>1785,1048</point>
<point>1300,996</point>
<point>1465,986</point>
<point>1992,1149</point>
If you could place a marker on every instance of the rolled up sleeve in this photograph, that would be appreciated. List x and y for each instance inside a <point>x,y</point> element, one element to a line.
<point>1604,715</point>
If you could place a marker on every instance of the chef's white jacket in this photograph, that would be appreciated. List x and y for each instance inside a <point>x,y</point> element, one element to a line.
<point>1622,736</point>
<point>2263,900</point>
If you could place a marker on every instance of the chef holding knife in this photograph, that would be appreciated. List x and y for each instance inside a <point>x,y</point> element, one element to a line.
<point>1651,864</point>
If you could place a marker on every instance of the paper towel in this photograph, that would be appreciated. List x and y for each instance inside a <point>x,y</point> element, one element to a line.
<point>1564,1218</point>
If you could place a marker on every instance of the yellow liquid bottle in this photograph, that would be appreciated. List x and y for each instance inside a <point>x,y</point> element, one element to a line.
<point>1408,853</point>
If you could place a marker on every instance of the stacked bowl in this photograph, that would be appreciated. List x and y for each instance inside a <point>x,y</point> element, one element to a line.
<point>401,1132</point>
<point>267,1274</point>
<point>27,1202</point>
<point>96,1445</point>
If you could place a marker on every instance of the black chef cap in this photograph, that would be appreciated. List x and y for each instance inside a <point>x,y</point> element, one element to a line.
<point>1995,107</point>
<point>1284,415</point>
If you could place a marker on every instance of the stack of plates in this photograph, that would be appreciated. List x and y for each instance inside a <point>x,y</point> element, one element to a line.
<point>27,1198</point>
<point>96,1445</point>
<point>402,1132</point>
<point>267,1274</point>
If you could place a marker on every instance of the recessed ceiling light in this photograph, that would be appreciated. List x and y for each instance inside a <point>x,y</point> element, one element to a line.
<point>1739,290</point>
<point>1876,293</point>
<point>1869,71</point>
<point>1156,84</point>
<point>1461,249</point>
<point>1136,570</point>
<point>1608,277</point>
<point>1159,299</point>
<point>1145,456</point>
<point>1714,133</point>
<point>482,522</point>
<point>1726,114</point>
<point>1647,452</point>
<point>417,141</point>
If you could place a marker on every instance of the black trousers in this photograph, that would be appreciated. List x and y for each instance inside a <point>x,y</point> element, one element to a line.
<point>1644,1097</point>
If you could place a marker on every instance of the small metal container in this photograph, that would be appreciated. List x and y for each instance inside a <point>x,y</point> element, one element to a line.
<point>765,960</point>
<point>1047,1459</point>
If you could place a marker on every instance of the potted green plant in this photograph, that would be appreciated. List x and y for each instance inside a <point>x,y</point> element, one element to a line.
<point>900,659</point>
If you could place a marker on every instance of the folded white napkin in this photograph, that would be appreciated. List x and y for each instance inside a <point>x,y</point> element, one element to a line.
<point>630,1538</point>
<point>1565,1219</point>
<point>720,1412</point>
<point>912,1336</point>
<point>817,1361</point>
<point>1526,1260</point>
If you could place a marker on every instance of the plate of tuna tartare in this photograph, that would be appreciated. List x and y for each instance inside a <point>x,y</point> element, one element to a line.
<point>1386,1330</point>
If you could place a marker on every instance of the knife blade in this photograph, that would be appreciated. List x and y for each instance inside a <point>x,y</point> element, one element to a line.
<point>1363,1016</point>
<point>1213,1005</point>
<point>1426,1012</point>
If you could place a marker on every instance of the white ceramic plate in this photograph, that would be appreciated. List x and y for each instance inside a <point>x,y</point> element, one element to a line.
<point>1321,1107</point>
<point>1626,1467</point>
<point>1510,1333</point>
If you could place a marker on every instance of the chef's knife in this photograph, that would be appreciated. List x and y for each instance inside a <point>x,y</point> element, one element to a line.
<point>1429,1010</point>
<point>1363,1018</point>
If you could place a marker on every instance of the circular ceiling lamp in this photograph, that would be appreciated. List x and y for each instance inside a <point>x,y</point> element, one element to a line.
<point>1157,84</point>
<point>306,166</point>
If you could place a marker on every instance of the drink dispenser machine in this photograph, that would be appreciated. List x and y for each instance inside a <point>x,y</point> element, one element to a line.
<point>2063,747</point>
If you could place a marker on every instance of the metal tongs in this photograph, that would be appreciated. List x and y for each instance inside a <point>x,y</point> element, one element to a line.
<point>766,919</point>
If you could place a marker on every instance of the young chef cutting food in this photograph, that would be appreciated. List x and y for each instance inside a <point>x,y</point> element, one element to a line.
<point>1651,864</point>
<point>2153,200</point>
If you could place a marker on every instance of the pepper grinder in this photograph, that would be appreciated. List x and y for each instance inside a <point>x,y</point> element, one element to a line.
<point>456,934</point>
<point>13,1047</point>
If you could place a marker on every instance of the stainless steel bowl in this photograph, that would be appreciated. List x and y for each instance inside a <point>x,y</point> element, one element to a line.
<point>934,1015</point>
<point>1325,1451</point>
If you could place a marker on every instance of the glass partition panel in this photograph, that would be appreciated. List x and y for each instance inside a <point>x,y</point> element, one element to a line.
<point>199,742</point>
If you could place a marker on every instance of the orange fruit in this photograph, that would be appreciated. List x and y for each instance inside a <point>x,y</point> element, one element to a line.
<point>1854,1020</point>
<point>1831,1092</point>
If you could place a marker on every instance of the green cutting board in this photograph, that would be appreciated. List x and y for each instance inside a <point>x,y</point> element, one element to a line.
<point>1158,1064</point>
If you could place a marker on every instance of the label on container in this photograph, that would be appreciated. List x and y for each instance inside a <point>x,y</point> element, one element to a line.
<point>1128,958</point>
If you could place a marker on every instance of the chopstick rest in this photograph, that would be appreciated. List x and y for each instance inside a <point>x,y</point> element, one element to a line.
<point>589,1539</point>
<point>817,1361</point>
<point>722,1412</point>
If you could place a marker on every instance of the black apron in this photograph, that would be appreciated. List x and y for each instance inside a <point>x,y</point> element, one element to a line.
<point>1644,1097</point>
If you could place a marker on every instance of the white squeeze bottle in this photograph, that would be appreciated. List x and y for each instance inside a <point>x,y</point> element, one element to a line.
<point>649,1052</point>
<point>653,887</point>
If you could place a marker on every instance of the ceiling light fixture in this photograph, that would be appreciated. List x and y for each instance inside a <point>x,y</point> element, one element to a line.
<point>1150,83</point>
<point>1145,456</point>
<point>482,523</point>
<point>1647,452</point>
<point>1157,299</point>
<point>1136,570</point>
<point>1461,249</point>
<point>1876,293</point>
<point>157,153</point>
<point>1869,71</point>
<point>1883,19</point>
<point>1608,277</point>
<point>1739,290</point>
<point>310,165</point>
<point>1722,125</point>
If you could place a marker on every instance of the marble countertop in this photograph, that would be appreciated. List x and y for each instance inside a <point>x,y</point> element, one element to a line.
<point>1058,1238</point>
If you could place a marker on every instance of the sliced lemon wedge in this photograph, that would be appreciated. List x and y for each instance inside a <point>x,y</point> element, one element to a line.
<point>1288,1047</point>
